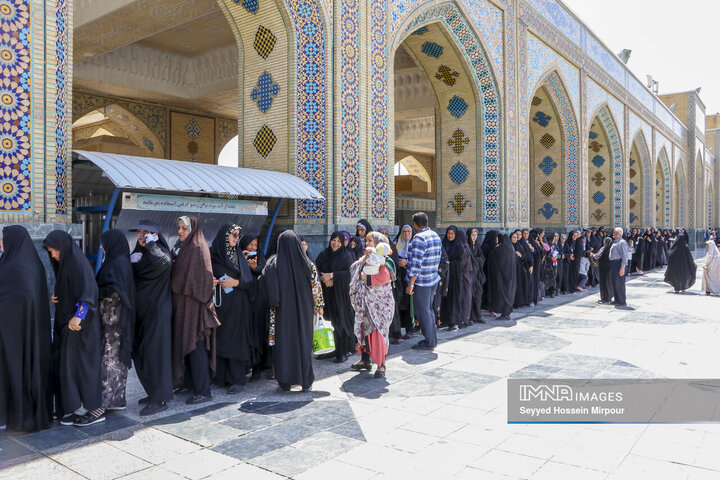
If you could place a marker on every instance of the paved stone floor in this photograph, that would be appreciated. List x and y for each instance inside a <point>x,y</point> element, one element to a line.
<point>437,415</point>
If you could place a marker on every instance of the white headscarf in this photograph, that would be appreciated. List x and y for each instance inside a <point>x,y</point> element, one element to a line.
<point>711,269</point>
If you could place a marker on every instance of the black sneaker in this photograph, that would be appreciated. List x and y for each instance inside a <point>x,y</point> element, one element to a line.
<point>90,418</point>
<point>69,420</point>
<point>153,408</point>
<point>144,401</point>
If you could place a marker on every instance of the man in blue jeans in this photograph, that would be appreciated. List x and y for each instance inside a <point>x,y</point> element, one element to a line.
<point>423,278</point>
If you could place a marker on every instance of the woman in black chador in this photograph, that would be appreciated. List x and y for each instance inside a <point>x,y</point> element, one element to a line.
<point>523,269</point>
<point>116,311</point>
<point>638,258</point>
<point>250,247</point>
<point>333,265</point>
<point>578,253</point>
<point>234,341</point>
<point>25,400</point>
<point>478,274</point>
<point>294,296</point>
<point>455,308</point>
<point>501,277</point>
<point>571,262</point>
<point>152,267</point>
<point>76,338</point>
<point>489,243</point>
<point>681,269</point>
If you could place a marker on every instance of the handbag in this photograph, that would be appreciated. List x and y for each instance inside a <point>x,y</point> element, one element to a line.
<point>323,336</point>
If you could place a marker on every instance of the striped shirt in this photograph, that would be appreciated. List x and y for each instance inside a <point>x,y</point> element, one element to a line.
<point>424,258</point>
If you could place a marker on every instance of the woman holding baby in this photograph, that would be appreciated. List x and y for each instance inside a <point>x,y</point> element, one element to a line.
<point>372,298</point>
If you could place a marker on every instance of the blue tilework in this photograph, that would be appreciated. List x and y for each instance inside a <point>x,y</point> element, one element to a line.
<point>598,161</point>
<point>432,49</point>
<point>547,165</point>
<point>459,173</point>
<point>457,106</point>
<point>265,91</point>
<point>598,197</point>
<point>542,119</point>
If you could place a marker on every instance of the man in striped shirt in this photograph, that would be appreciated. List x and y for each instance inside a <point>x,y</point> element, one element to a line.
<point>423,278</point>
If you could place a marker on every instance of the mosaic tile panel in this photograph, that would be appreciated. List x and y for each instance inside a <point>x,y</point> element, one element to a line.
<point>598,197</point>
<point>598,179</point>
<point>311,98</point>
<point>350,111</point>
<point>645,162</point>
<point>598,161</point>
<point>488,20</point>
<point>596,97</point>
<point>548,211</point>
<point>15,135</point>
<point>264,42</point>
<point>432,49</point>
<point>458,141</point>
<point>459,204</point>
<point>447,75</point>
<point>572,151</point>
<point>265,141</point>
<point>541,58</point>
<point>380,172</point>
<point>548,165</point>
<point>692,162</point>
<point>420,31</point>
<point>250,5</point>
<point>616,149</point>
<point>457,106</point>
<point>547,189</point>
<point>265,91</point>
<point>489,100</point>
<point>62,121</point>
<point>560,18</point>
<point>547,141</point>
<point>542,119</point>
<point>666,197</point>
<point>459,173</point>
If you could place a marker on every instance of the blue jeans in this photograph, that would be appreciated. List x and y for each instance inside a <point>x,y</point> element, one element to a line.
<point>422,302</point>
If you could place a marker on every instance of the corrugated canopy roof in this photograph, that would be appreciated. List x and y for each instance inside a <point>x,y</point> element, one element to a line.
<point>144,173</point>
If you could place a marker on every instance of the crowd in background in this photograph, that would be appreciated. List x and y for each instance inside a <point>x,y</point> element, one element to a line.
<point>194,314</point>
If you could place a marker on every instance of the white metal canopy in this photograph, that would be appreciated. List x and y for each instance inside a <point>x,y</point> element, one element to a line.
<point>144,173</point>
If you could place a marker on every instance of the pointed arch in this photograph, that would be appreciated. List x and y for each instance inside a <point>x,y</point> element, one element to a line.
<point>570,155</point>
<point>301,134</point>
<point>486,88</point>
<point>664,197</point>
<point>613,135</point>
<point>640,146</point>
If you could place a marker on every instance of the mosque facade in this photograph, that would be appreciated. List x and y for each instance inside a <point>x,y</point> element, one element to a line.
<point>490,113</point>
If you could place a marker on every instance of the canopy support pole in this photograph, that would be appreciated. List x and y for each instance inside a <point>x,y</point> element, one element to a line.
<point>272,224</point>
<point>106,226</point>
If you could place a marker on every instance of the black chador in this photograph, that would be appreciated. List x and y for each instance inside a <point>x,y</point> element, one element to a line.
<point>77,351</point>
<point>235,344</point>
<point>25,400</point>
<point>338,308</point>
<point>681,269</point>
<point>153,317</point>
<point>501,276</point>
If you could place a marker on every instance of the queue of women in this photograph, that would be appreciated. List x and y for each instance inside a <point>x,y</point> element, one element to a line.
<point>189,316</point>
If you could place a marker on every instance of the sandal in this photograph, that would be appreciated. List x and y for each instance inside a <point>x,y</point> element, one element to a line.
<point>380,372</point>
<point>362,364</point>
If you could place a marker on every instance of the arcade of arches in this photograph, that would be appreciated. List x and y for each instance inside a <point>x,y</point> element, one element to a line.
<point>489,113</point>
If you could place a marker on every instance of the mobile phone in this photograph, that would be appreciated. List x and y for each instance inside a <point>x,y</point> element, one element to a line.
<point>252,254</point>
<point>222,279</point>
